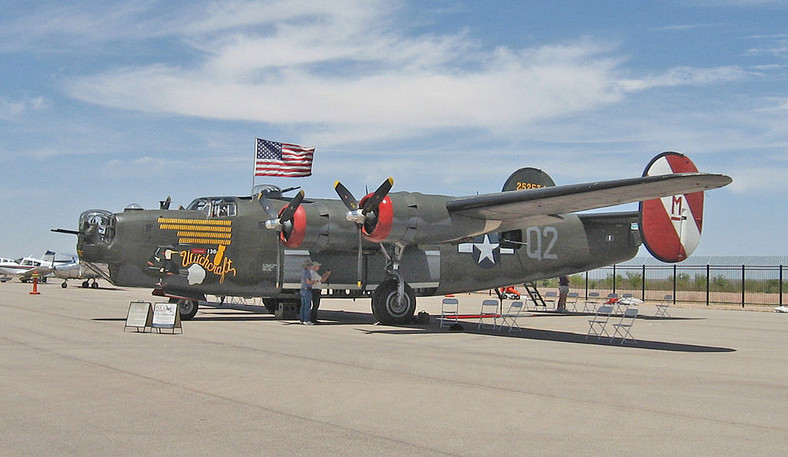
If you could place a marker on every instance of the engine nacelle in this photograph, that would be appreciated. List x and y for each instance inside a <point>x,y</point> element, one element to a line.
<point>378,227</point>
<point>415,218</point>
<point>293,234</point>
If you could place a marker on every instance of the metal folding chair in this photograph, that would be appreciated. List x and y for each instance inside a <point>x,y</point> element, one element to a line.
<point>510,318</point>
<point>590,304</point>
<point>623,327</point>
<point>551,297</point>
<point>571,300</point>
<point>489,309</point>
<point>597,325</point>
<point>450,310</point>
<point>662,308</point>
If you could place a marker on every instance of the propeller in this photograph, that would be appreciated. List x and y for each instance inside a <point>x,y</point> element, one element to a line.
<point>280,221</point>
<point>364,217</point>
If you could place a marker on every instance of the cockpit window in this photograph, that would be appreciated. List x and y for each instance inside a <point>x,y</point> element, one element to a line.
<point>214,207</point>
<point>201,204</point>
<point>97,226</point>
<point>221,208</point>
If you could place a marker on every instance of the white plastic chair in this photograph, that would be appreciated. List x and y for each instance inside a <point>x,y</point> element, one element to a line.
<point>623,327</point>
<point>489,309</point>
<point>662,308</point>
<point>597,325</point>
<point>449,311</point>
<point>511,316</point>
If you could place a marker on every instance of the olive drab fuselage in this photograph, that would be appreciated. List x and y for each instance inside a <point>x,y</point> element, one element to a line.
<point>221,246</point>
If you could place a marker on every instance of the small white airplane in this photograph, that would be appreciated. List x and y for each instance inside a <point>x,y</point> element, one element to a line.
<point>76,270</point>
<point>6,265</point>
<point>25,267</point>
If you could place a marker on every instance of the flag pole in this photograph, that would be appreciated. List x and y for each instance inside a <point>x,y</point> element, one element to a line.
<point>254,163</point>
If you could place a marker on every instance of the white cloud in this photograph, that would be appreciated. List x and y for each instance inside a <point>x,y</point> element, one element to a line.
<point>12,110</point>
<point>685,76</point>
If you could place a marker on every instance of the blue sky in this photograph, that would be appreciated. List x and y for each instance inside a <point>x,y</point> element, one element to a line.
<point>103,104</point>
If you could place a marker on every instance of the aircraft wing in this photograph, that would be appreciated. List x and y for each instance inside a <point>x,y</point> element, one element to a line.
<point>532,206</point>
<point>42,271</point>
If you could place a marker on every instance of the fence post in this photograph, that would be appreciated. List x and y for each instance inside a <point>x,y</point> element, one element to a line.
<point>643,283</point>
<point>708,282</point>
<point>781,285</point>
<point>742,286</point>
<point>674,279</point>
<point>614,278</point>
<point>586,285</point>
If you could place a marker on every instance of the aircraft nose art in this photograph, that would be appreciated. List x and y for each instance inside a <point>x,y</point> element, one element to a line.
<point>671,226</point>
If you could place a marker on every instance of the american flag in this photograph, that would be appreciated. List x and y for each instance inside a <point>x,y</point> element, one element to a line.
<point>282,159</point>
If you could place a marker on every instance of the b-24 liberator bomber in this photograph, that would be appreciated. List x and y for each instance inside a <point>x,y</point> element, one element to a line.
<point>395,246</point>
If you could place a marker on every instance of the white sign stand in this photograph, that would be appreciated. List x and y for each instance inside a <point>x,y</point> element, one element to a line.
<point>140,316</point>
<point>166,316</point>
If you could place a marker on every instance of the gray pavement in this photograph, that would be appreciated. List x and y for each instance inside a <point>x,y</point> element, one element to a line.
<point>238,382</point>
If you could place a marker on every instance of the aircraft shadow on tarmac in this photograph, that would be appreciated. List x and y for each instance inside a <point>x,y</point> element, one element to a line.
<point>333,317</point>
<point>553,335</point>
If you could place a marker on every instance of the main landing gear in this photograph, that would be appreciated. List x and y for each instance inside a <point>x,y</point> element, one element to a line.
<point>393,301</point>
<point>186,308</point>
<point>86,284</point>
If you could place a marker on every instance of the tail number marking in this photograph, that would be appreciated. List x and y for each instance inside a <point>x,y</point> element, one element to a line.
<point>539,243</point>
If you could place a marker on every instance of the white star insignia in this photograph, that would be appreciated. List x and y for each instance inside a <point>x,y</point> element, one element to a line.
<point>486,249</point>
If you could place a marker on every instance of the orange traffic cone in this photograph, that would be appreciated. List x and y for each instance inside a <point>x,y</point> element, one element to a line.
<point>35,285</point>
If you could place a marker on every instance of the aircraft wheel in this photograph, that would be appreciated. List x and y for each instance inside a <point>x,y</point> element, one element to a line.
<point>94,285</point>
<point>85,284</point>
<point>64,285</point>
<point>270,304</point>
<point>186,308</point>
<point>387,309</point>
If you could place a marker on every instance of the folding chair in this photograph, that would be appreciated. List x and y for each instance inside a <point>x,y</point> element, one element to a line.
<point>514,312</point>
<point>596,326</point>
<point>551,297</point>
<point>613,299</point>
<point>590,304</point>
<point>571,300</point>
<point>624,326</point>
<point>449,311</point>
<point>662,308</point>
<point>489,309</point>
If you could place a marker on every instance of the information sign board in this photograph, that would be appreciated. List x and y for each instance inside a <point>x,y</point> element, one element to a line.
<point>140,315</point>
<point>166,315</point>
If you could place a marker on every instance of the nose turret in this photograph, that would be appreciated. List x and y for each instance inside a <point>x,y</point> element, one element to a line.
<point>96,232</point>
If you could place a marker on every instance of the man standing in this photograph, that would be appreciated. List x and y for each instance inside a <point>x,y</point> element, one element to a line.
<point>306,293</point>
<point>316,285</point>
<point>563,291</point>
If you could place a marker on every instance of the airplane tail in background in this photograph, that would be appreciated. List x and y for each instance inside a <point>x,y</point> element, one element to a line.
<point>528,178</point>
<point>671,226</point>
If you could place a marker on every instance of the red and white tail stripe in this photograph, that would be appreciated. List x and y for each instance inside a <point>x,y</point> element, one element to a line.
<point>671,226</point>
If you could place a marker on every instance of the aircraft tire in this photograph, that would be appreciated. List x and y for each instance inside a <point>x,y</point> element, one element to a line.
<point>186,308</point>
<point>385,307</point>
<point>64,285</point>
<point>94,285</point>
<point>270,304</point>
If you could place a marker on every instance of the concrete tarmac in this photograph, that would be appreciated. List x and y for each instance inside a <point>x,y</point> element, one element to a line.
<point>238,382</point>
